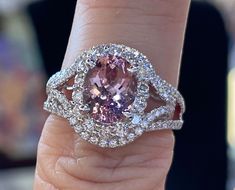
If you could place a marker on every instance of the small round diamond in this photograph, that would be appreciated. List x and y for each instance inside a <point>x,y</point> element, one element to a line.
<point>131,136</point>
<point>138,131</point>
<point>122,141</point>
<point>78,128</point>
<point>136,120</point>
<point>94,139</point>
<point>73,121</point>
<point>113,143</point>
<point>103,143</point>
<point>76,96</point>
<point>85,135</point>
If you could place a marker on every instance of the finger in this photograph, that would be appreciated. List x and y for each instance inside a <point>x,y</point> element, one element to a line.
<point>155,28</point>
<point>63,153</point>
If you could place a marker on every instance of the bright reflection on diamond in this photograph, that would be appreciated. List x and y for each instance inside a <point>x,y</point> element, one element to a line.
<point>116,97</point>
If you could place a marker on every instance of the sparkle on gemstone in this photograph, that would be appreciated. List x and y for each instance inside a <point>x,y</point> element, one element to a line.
<point>73,120</point>
<point>109,89</point>
<point>136,120</point>
<point>138,131</point>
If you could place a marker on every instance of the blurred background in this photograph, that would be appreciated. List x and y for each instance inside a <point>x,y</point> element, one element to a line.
<point>33,39</point>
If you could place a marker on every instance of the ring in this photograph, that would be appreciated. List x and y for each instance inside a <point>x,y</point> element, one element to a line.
<point>105,95</point>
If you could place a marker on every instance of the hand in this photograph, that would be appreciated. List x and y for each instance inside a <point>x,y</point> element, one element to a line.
<point>64,160</point>
<point>67,162</point>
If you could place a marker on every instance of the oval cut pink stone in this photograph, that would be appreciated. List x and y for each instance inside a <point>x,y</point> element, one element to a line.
<point>109,89</point>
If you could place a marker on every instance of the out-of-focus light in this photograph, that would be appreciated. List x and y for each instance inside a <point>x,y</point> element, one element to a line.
<point>231,109</point>
<point>9,6</point>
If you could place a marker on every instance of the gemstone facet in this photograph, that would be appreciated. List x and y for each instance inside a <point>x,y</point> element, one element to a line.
<point>109,89</point>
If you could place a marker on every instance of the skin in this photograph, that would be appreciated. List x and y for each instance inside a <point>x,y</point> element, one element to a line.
<point>64,161</point>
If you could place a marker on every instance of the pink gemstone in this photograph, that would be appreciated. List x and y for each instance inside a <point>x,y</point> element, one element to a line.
<point>109,89</point>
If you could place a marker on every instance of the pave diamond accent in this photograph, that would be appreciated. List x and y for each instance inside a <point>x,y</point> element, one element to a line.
<point>172,124</point>
<point>109,95</point>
